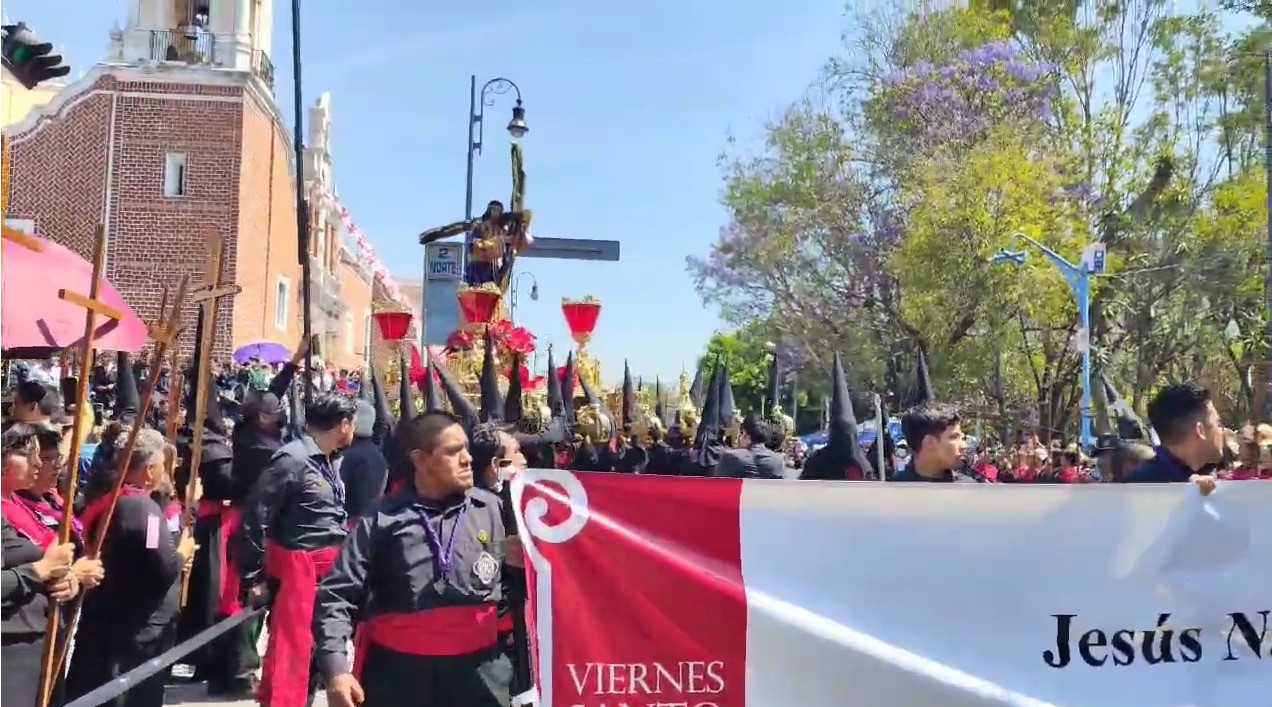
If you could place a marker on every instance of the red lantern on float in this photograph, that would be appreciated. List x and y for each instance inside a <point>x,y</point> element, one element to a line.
<point>393,325</point>
<point>478,304</point>
<point>580,317</point>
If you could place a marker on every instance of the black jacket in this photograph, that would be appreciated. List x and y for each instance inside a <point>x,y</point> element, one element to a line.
<point>365,473</point>
<point>25,601</point>
<point>754,462</point>
<point>1164,468</point>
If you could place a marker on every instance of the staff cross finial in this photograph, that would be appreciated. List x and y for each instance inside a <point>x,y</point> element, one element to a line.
<point>208,297</point>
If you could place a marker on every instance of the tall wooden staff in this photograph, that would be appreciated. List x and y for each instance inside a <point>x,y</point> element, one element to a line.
<point>93,308</point>
<point>165,334</point>
<point>208,297</point>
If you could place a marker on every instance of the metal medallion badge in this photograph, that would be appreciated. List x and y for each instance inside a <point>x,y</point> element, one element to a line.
<point>486,568</point>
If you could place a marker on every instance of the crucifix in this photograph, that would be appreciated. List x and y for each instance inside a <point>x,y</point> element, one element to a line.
<point>165,332</point>
<point>496,237</point>
<point>208,297</point>
<point>93,308</point>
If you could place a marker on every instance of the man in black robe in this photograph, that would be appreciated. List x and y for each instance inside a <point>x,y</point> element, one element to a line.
<point>364,469</point>
<point>427,608</point>
<point>292,529</point>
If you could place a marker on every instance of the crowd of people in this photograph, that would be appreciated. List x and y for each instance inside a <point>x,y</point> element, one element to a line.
<point>344,522</point>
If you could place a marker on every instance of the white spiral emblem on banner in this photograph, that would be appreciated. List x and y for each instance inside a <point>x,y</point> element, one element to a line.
<point>536,510</point>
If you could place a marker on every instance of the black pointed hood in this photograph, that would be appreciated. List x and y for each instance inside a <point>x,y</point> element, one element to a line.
<point>659,411</point>
<point>491,404</point>
<point>709,426</point>
<point>295,416</point>
<point>567,386</point>
<point>842,449</point>
<point>1102,410</point>
<point>127,401</point>
<point>629,396</point>
<point>728,410</point>
<point>512,402</point>
<point>461,407</point>
<point>592,398</point>
<point>923,383</point>
<point>1129,425</point>
<point>406,393</point>
<point>555,403</point>
<point>432,397</point>
<point>590,395</point>
<point>707,449</point>
<point>212,418</point>
<point>384,424</point>
<point>696,393</point>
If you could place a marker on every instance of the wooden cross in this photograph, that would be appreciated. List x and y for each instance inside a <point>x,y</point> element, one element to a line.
<point>93,308</point>
<point>165,332</point>
<point>25,240</point>
<point>208,298</point>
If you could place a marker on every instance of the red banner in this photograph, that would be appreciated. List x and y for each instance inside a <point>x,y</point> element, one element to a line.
<point>649,608</point>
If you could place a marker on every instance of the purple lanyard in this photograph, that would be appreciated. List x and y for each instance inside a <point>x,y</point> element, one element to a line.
<point>443,558</point>
<point>337,484</point>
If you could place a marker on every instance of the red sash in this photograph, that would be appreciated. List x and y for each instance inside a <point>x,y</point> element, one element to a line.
<point>25,521</point>
<point>95,510</point>
<point>285,669</point>
<point>229,518</point>
<point>447,630</point>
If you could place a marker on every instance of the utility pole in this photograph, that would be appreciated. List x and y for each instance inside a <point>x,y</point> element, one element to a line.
<point>302,210</point>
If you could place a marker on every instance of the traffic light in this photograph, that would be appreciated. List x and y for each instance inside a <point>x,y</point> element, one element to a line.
<point>31,61</point>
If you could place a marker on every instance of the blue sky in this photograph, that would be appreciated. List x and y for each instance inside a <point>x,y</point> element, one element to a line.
<point>629,106</point>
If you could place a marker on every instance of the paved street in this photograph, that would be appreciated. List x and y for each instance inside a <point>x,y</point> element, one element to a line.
<point>195,695</point>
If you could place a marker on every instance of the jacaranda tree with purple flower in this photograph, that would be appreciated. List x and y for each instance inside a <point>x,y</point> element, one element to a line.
<point>929,107</point>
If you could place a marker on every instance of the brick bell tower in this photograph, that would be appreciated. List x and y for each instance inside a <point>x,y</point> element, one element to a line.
<point>174,135</point>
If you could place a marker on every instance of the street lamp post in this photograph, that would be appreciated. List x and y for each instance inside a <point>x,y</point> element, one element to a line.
<point>302,209</point>
<point>477,102</point>
<point>1079,279</point>
<point>516,292</point>
<point>517,128</point>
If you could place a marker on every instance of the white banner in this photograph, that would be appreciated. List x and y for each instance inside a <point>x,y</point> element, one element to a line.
<point>715,592</point>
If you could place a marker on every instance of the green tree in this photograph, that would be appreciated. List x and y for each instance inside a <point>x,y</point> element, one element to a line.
<point>865,222</point>
<point>742,352</point>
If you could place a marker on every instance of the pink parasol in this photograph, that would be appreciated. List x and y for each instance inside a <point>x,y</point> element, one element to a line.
<point>35,321</point>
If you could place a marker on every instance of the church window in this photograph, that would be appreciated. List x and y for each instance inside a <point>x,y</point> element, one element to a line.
<point>174,175</point>
<point>282,297</point>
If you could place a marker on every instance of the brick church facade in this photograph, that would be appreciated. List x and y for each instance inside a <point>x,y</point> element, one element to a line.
<point>177,135</point>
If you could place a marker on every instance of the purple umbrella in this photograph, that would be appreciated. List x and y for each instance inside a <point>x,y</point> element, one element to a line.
<point>265,351</point>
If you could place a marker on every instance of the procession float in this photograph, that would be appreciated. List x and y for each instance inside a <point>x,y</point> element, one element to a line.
<point>492,243</point>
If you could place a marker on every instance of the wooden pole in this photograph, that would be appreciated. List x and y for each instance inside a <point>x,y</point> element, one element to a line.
<point>165,335</point>
<point>208,297</point>
<point>93,308</point>
<point>176,383</point>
